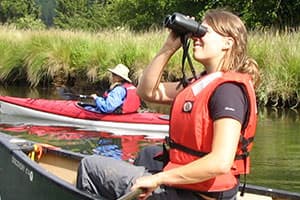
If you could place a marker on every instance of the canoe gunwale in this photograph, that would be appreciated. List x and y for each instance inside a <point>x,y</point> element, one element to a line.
<point>274,193</point>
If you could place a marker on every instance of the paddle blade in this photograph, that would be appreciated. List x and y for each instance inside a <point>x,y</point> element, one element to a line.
<point>67,94</point>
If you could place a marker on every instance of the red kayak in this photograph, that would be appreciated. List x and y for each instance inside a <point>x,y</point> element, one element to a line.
<point>73,113</point>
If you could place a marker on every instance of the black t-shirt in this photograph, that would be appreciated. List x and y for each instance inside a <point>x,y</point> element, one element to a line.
<point>229,100</point>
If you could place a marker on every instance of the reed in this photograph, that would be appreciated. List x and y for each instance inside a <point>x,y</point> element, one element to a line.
<point>279,59</point>
<point>11,53</point>
<point>40,56</point>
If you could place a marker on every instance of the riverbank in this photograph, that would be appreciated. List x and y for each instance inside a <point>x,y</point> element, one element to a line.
<point>51,58</point>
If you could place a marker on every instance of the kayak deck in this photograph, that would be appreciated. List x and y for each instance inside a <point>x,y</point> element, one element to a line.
<point>75,109</point>
<point>69,112</point>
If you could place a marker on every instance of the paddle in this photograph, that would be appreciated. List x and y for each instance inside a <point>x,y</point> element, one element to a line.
<point>69,95</point>
<point>131,195</point>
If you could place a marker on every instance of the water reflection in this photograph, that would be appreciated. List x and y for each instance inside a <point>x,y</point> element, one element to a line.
<point>76,139</point>
<point>276,152</point>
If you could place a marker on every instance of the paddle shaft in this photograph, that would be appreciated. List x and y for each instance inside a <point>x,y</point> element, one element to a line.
<point>82,96</point>
<point>76,96</point>
<point>69,95</point>
<point>131,195</point>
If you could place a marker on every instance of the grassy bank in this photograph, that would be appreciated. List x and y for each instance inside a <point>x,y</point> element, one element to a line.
<point>278,56</point>
<point>53,56</point>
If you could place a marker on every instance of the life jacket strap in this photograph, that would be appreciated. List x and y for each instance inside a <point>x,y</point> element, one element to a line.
<point>173,145</point>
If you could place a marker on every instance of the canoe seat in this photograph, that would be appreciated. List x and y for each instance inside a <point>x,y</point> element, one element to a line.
<point>62,166</point>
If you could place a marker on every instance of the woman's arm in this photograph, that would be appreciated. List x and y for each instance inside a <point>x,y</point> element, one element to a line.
<point>150,88</point>
<point>219,161</point>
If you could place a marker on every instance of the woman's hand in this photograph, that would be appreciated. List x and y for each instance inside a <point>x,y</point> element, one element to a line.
<point>94,96</point>
<point>172,42</point>
<point>148,184</point>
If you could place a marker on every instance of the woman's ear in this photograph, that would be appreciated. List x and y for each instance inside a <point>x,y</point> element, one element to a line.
<point>228,43</point>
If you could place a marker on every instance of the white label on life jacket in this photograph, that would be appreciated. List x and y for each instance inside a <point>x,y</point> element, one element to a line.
<point>197,87</point>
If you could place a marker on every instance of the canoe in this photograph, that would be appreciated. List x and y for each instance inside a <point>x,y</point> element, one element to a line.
<point>50,178</point>
<point>73,113</point>
<point>27,174</point>
<point>51,175</point>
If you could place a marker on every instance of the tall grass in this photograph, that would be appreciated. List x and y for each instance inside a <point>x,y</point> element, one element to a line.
<point>40,56</point>
<point>278,55</point>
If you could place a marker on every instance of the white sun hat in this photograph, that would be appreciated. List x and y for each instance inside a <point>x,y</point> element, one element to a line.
<point>122,71</point>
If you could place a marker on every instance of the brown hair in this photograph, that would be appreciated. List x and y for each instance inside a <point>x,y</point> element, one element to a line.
<point>236,59</point>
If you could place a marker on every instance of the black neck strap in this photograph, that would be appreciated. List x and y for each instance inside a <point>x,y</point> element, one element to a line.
<point>185,47</point>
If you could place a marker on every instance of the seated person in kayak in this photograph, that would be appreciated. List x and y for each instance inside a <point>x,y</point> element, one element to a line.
<point>121,97</point>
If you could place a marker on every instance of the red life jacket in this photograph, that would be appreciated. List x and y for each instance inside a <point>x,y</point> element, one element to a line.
<point>191,129</point>
<point>132,101</point>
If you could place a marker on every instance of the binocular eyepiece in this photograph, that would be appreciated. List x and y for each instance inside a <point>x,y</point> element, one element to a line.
<point>182,25</point>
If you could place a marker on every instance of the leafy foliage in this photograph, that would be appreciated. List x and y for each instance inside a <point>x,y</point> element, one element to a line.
<point>80,14</point>
<point>29,22</point>
<point>12,10</point>
<point>141,15</point>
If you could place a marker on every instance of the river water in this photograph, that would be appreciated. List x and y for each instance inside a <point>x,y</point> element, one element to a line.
<point>275,158</point>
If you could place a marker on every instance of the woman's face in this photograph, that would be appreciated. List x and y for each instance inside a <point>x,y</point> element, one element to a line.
<point>209,49</point>
<point>115,78</point>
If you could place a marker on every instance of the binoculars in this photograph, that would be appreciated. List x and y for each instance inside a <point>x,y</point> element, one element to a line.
<point>183,25</point>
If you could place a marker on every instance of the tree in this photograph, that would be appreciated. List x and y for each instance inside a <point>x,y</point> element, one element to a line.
<point>12,10</point>
<point>80,14</point>
<point>140,15</point>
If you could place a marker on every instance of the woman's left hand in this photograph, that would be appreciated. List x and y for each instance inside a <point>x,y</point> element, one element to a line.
<point>148,184</point>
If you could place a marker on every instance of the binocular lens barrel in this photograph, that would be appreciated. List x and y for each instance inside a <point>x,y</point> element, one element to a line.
<point>181,24</point>
<point>167,20</point>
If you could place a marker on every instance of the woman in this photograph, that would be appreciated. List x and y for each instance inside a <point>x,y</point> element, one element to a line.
<point>209,115</point>
<point>213,119</point>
